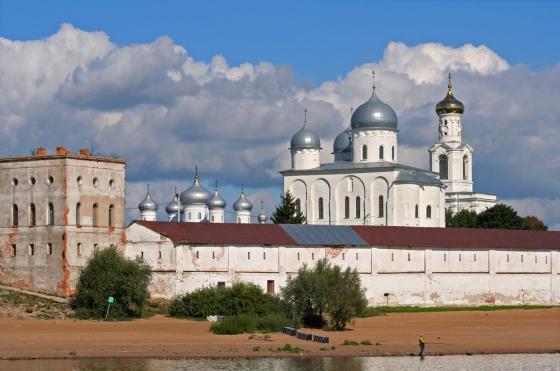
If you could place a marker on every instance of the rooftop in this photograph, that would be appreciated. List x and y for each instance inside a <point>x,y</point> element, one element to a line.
<point>62,153</point>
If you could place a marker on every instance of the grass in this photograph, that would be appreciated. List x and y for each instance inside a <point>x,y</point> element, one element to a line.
<point>377,311</point>
<point>31,305</point>
<point>366,342</point>
<point>350,342</point>
<point>289,349</point>
<point>256,349</point>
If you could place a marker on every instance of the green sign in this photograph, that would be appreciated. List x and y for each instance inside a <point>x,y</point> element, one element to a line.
<point>111,300</point>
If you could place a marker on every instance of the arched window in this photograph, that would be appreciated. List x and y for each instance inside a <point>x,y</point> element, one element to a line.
<point>320,204</point>
<point>78,211</point>
<point>381,207</point>
<point>298,205</point>
<point>428,211</point>
<point>32,218</point>
<point>111,221</point>
<point>381,150</point>
<point>416,211</point>
<point>364,152</point>
<point>50,215</point>
<point>94,216</point>
<point>346,207</point>
<point>358,207</point>
<point>465,167</point>
<point>443,167</point>
<point>213,218</point>
<point>199,216</point>
<point>15,215</point>
<point>393,153</point>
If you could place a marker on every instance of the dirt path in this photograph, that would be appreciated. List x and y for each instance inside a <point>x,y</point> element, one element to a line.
<point>511,331</point>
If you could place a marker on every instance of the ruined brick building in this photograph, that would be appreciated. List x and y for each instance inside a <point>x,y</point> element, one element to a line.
<point>57,208</point>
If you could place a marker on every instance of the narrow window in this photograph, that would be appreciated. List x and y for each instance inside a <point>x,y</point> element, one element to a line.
<point>270,286</point>
<point>381,150</point>
<point>465,166</point>
<point>51,214</point>
<point>159,255</point>
<point>381,207</point>
<point>459,257</point>
<point>358,207</point>
<point>31,251</point>
<point>546,260</point>
<point>298,256</point>
<point>521,258</point>
<point>15,216</point>
<point>248,256</point>
<point>393,153</point>
<point>312,256</point>
<point>213,218</point>
<point>142,254</point>
<point>49,248</point>
<point>32,214</point>
<point>392,257</point>
<point>416,211</point>
<point>343,256</point>
<point>346,207</point>
<point>111,221</point>
<point>221,284</point>
<point>264,255</point>
<point>408,256</point>
<point>238,220</point>
<point>79,249</point>
<point>357,256</point>
<point>94,216</point>
<point>320,205</point>
<point>428,212</point>
<point>199,216</point>
<point>298,205</point>
<point>364,152</point>
<point>14,250</point>
<point>535,259</point>
<point>213,255</point>
<point>443,167</point>
<point>190,216</point>
<point>507,258</point>
<point>444,257</point>
<point>474,257</point>
<point>78,210</point>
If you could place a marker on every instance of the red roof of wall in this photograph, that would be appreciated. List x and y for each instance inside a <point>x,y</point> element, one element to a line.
<point>221,233</point>
<point>458,237</point>
<point>273,234</point>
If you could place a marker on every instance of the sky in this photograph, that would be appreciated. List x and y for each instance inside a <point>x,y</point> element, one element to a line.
<point>169,85</point>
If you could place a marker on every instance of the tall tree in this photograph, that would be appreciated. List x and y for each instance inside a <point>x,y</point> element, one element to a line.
<point>288,211</point>
<point>462,219</point>
<point>533,223</point>
<point>500,216</point>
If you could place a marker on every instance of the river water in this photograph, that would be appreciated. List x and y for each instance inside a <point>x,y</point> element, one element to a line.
<point>509,362</point>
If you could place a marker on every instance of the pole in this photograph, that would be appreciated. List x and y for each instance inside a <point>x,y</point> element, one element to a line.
<point>107,313</point>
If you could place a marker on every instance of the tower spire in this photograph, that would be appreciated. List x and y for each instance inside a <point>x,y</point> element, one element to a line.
<point>373,80</point>
<point>305,117</point>
<point>196,171</point>
<point>449,85</point>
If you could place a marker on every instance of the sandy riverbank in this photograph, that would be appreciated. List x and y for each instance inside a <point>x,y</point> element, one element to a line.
<point>508,331</point>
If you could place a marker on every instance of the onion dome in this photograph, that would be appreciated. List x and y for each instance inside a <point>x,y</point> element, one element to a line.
<point>262,216</point>
<point>173,207</point>
<point>305,138</point>
<point>343,142</point>
<point>449,104</point>
<point>148,204</point>
<point>216,201</point>
<point>242,203</point>
<point>374,114</point>
<point>196,194</point>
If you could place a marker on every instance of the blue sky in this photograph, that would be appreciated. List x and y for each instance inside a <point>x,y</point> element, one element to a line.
<point>320,39</point>
<point>223,85</point>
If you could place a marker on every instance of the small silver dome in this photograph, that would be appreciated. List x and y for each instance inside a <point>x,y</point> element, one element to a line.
<point>196,194</point>
<point>148,204</point>
<point>374,114</point>
<point>173,207</point>
<point>216,201</point>
<point>343,142</point>
<point>262,216</point>
<point>242,203</point>
<point>305,138</point>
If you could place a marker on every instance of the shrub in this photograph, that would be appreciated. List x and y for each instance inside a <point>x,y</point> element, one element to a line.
<point>350,342</point>
<point>109,273</point>
<point>235,325</point>
<point>366,342</point>
<point>272,322</point>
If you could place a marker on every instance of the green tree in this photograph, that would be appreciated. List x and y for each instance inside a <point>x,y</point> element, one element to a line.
<point>500,216</point>
<point>288,211</point>
<point>325,289</point>
<point>109,273</point>
<point>533,223</point>
<point>462,219</point>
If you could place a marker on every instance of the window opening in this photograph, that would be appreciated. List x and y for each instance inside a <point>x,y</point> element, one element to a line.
<point>51,214</point>
<point>346,207</point>
<point>15,216</point>
<point>111,221</point>
<point>428,212</point>
<point>31,249</point>
<point>393,153</point>
<point>416,211</point>
<point>381,150</point>
<point>381,207</point>
<point>320,204</point>
<point>14,250</point>
<point>49,249</point>
<point>94,215</point>
<point>443,167</point>
<point>78,209</point>
<point>270,286</point>
<point>79,249</point>
<point>32,214</point>
<point>364,152</point>
<point>358,207</point>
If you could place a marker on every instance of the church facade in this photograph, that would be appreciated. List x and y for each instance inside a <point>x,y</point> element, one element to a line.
<point>366,185</point>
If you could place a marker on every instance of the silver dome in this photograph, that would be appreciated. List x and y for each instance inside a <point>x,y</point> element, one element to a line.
<point>173,207</point>
<point>374,114</point>
<point>148,204</point>
<point>242,203</point>
<point>196,194</point>
<point>262,216</point>
<point>343,142</point>
<point>305,138</point>
<point>216,201</point>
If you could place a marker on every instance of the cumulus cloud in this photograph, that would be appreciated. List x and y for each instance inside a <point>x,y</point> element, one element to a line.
<point>164,111</point>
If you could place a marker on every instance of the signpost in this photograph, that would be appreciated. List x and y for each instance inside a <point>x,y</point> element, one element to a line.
<point>110,300</point>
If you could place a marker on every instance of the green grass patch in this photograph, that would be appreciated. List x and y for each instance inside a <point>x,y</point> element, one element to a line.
<point>377,311</point>
<point>256,349</point>
<point>365,342</point>
<point>350,342</point>
<point>290,349</point>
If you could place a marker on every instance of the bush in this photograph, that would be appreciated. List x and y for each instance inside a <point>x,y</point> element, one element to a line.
<point>241,298</point>
<point>109,273</point>
<point>234,325</point>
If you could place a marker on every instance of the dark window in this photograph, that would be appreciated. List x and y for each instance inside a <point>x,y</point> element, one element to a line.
<point>443,168</point>
<point>264,255</point>
<point>428,211</point>
<point>346,207</point>
<point>364,152</point>
<point>465,166</point>
<point>159,255</point>
<point>78,207</point>
<point>79,249</point>
<point>381,207</point>
<point>358,207</point>
<point>198,254</point>
<point>320,204</point>
<point>298,205</point>
<point>270,286</point>
<point>221,284</point>
<point>14,250</point>
<point>248,256</point>
<point>32,218</point>
<point>111,221</point>
<point>393,153</point>
<point>343,256</point>
<point>298,256</point>
<point>392,257</point>
<point>416,212</point>
<point>312,256</point>
<point>213,255</point>
<point>50,217</point>
<point>94,216</point>
<point>15,215</point>
<point>49,249</point>
<point>31,249</point>
<point>381,152</point>
<point>408,257</point>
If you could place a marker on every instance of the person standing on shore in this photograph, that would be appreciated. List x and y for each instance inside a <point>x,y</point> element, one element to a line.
<point>422,344</point>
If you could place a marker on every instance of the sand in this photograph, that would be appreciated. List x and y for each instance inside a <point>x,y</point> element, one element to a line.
<point>507,331</point>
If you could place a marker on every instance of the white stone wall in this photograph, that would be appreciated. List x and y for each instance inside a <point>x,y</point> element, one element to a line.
<point>305,159</point>
<point>374,139</point>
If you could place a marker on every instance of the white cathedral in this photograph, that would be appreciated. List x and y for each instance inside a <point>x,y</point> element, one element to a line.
<point>367,185</point>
